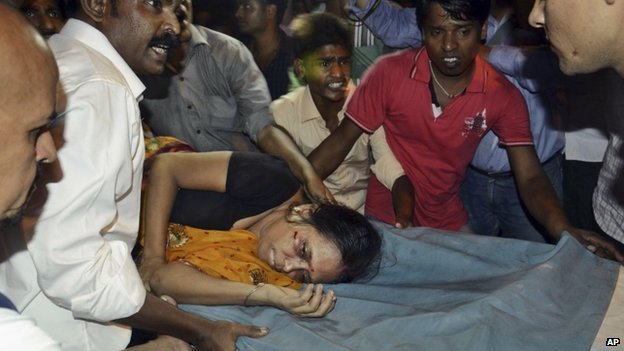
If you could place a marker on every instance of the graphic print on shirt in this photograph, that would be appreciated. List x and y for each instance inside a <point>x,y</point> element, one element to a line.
<point>475,125</point>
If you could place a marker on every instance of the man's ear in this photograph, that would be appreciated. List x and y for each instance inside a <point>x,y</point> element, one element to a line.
<point>299,68</point>
<point>94,9</point>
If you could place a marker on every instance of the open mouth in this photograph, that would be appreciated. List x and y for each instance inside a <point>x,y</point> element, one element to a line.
<point>161,49</point>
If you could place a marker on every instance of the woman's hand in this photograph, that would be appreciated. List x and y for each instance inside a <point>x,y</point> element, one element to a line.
<point>310,302</point>
<point>149,266</point>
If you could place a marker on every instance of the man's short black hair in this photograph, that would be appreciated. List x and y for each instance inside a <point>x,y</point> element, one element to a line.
<point>459,10</point>
<point>314,30</point>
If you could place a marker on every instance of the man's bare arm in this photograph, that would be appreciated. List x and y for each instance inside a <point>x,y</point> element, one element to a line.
<point>333,150</point>
<point>539,197</point>
<point>273,140</point>
<point>161,317</point>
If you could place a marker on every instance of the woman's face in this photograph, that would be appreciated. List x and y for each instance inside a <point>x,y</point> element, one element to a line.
<point>299,251</point>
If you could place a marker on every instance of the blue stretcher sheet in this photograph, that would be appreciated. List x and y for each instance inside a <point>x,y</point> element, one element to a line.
<point>450,291</point>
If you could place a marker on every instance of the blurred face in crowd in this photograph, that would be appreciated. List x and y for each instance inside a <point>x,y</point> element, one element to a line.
<point>142,31</point>
<point>252,15</point>
<point>185,18</point>
<point>45,15</point>
<point>327,71</point>
<point>451,44</point>
<point>585,35</point>
<point>25,110</point>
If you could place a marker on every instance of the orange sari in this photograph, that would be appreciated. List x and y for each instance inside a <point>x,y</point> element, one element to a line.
<point>229,255</point>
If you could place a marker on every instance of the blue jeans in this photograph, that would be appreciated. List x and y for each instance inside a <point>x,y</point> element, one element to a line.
<point>495,208</point>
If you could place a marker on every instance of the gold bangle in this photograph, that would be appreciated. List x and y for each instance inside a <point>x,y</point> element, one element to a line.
<point>255,288</point>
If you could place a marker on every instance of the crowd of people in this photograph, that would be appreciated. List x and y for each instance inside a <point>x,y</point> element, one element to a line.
<point>178,163</point>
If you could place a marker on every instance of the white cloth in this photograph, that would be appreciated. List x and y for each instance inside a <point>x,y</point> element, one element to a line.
<point>586,144</point>
<point>18,332</point>
<point>297,113</point>
<point>82,242</point>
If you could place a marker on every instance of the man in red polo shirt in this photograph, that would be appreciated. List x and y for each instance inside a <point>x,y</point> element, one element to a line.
<point>435,104</point>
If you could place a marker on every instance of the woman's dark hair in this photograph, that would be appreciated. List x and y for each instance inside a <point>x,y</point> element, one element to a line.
<point>459,10</point>
<point>314,30</point>
<point>355,237</point>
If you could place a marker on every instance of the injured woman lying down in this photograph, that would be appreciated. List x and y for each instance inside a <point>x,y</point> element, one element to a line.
<point>239,234</point>
<point>433,290</point>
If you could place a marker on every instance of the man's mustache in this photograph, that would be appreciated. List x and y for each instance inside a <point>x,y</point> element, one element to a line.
<point>168,40</point>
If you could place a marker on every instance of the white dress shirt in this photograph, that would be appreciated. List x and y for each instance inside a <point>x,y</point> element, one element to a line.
<point>82,242</point>
<point>297,113</point>
<point>18,332</point>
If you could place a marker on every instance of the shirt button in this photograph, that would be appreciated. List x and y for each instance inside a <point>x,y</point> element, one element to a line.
<point>198,131</point>
<point>182,79</point>
<point>189,107</point>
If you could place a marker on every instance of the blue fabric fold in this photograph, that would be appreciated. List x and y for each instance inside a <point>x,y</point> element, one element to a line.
<point>451,291</point>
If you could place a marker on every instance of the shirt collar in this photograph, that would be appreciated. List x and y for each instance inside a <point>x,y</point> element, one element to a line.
<point>420,71</point>
<point>96,40</point>
<point>196,37</point>
<point>308,104</point>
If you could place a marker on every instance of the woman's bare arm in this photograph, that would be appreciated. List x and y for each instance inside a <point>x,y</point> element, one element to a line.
<point>186,284</point>
<point>205,171</point>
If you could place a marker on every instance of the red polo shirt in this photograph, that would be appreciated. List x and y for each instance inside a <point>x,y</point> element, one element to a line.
<point>434,152</point>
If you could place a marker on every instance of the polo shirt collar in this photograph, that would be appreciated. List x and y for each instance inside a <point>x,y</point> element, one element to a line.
<point>308,105</point>
<point>420,71</point>
<point>96,40</point>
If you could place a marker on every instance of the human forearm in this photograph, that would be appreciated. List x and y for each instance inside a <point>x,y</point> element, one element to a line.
<point>188,285</point>
<point>275,141</point>
<point>159,198</point>
<point>403,202</point>
<point>170,172</point>
<point>544,206</point>
<point>536,191</point>
<point>333,150</point>
<point>160,317</point>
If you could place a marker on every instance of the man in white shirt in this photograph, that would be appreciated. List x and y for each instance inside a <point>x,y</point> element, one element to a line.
<point>25,111</point>
<point>78,279</point>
